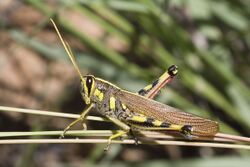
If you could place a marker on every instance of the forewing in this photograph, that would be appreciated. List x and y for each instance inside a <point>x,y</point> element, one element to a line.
<point>162,112</point>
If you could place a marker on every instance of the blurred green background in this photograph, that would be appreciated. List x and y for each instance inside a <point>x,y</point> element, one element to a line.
<point>129,43</point>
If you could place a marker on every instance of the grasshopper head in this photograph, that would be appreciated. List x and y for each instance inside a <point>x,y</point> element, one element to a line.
<point>88,87</point>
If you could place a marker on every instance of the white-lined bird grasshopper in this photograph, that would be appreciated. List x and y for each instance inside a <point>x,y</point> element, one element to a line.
<point>137,110</point>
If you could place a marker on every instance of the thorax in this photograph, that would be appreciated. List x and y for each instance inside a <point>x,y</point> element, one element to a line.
<point>106,101</point>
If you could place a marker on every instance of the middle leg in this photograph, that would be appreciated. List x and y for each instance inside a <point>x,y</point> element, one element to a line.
<point>125,130</point>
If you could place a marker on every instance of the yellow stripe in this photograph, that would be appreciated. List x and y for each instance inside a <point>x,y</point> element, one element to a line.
<point>148,87</point>
<point>85,88</point>
<point>175,72</point>
<point>92,86</point>
<point>99,94</point>
<point>163,77</point>
<point>139,119</point>
<point>157,123</point>
<point>124,107</point>
<point>112,103</point>
<point>176,127</point>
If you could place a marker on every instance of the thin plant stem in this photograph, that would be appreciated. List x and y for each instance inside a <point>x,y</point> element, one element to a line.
<point>48,113</point>
<point>106,133</point>
<point>127,141</point>
<point>219,137</point>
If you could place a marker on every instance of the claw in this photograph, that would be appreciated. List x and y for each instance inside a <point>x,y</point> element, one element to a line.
<point>64,132</point>
<point>62,135</point>
<point>84,126</point>
<point>134,137</point>
<point>136,141</point>
<point>108,145</point>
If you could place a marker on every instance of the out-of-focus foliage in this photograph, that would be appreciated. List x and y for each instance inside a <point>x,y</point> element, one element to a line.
<point>131,42</point>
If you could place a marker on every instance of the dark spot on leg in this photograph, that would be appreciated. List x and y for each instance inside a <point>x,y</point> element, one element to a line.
<point>155,83</point>
<point>186,130</point>
<point>149,121</point>
<point>164,125</point>
<point>172,70</point>
<point>142,92</point>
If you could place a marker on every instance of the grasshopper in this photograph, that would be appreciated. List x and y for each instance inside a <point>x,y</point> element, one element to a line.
<point>132,111</point>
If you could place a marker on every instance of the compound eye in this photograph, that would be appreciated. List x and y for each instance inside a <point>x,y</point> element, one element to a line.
<point>89,82</point>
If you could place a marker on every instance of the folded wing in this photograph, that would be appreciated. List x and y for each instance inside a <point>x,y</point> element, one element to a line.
<point>162,112</point>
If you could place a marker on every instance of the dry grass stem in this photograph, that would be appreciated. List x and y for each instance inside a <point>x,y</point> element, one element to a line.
<point>48,113</point>
<point>127,141</point>
<point>230,141</point>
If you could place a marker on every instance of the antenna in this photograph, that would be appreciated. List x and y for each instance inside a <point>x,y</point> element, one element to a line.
<point>68,50</point>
